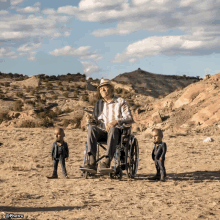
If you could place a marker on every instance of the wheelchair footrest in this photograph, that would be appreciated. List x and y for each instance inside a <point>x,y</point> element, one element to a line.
<point>106,170</point>
<point>88,170</point>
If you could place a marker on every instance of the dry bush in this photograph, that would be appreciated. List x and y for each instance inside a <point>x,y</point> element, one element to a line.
<point>49,86</point>
<point>28,124</point>
<point>59,83</point>
<point>19,94</point>
<point>7,84</point>
<point>54,96</point>
<point>61,88</point>
<point>179,88</point>
<point>66,94</point>
<point>126,94</point>
<point>46,122</point>
<point>4,116</point>
<point>93,99</point>
<point>68,110</point>
<point>30,102</point>
<point>77,86</point>
<point>32,92</point>
<point>160,96</point>
<point>47,114</point>
<point>77,119</point>
<point>84,98</point>
<point>58,111</point>
<point>118,90</point>
<point>75,94</point>
<point>67,88</point>
<point>2,96</point>
<point>18,106</point>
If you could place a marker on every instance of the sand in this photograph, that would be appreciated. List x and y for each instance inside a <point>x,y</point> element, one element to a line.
<point>191,191</point>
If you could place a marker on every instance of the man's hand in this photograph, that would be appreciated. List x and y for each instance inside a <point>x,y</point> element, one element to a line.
<point>111,125</point>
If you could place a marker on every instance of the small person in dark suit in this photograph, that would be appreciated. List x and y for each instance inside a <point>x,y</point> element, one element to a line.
<point>158,155</point>
<point>59,152</point>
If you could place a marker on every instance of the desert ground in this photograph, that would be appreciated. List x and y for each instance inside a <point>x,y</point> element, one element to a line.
<point>191,191</point>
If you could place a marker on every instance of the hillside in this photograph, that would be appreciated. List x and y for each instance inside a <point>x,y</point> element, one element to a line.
<point>154,84</point>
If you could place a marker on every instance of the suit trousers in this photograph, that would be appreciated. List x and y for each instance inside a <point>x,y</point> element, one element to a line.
<point>62,162</point>
<point>160,167</point>
<point>96,134</point>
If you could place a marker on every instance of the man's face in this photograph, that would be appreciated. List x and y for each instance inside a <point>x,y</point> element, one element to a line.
<point>106,91</point>
<point>156,138</point>
<point>59,135</point>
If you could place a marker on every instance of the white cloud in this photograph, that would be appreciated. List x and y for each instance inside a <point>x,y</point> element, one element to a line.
<point>49,11</point>
<point>167,45</point>
<point>81,52</point>
<point>3,0</point>
<point>3,12</point>
<point>90,67</point>
<point>18,27</point>
<point>29,47</point>
<point>16,2</point>
<point>28,9</point>
<point>5,52</point>
<point>70,10</point>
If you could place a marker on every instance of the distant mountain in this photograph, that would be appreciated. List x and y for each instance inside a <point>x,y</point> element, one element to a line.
<point>154,84</point>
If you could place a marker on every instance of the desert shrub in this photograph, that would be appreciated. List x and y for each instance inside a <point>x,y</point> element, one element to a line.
<point>2,96</point>
<point>160,96</point>
<point>4,116</point>
<point>126,94</point>
<point>19,94</point>
<point>67,88</point>
<point>84,98</point>
<point>82,80</point>
<point>61,88</point>
<point>179,88</point>
<point>49,86</point>
<point>7,84</point>
<point>66,94</point>
<point>78,86</point>
<point>66,122</point>
<point>58,111</point>
<point>118,90</point>
<point>93,99</point>
<point>47,114</point>
<point>68,110</point>
<point>55,96</point>
<point>59,83</point>
<point>24,87</point>
<point>77,119</point>
<point>46,122</point>
<point>32,92</point>
<point>75,93</point>
<point>30,102</point>
<point>28,124</point>
<point>18,106</point>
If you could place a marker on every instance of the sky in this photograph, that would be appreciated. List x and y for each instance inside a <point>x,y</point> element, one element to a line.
<point>104,38</point>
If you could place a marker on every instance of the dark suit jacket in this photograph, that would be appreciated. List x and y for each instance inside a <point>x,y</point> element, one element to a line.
<point>54,152</point>
<point>162,149</point>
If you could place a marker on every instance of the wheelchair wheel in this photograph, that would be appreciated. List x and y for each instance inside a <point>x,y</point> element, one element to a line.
<point>133,158</point>
<point>117,174</point>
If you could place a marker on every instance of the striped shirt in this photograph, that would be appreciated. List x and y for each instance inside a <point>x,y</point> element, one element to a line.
<point>117,109</point>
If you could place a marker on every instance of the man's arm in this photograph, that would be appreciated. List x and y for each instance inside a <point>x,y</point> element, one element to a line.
<point>164,150</point>
<point>52,151</point>
<point>126,114</point>
<point>67,150</point>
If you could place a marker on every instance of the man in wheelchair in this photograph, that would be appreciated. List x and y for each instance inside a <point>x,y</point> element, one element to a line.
<point>109,114</point>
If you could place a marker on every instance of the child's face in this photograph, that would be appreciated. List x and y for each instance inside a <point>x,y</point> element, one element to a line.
<point>59,134</point>
<point>156,138</point>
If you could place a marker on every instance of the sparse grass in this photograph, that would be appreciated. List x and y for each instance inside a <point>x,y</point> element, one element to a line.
<point>61,88</point>
<point>93,99</point>
<point>68,110</point>
<point>66,94</point>
<point>7,84</point>
<point>28,124</point>
<point>55,96</point>
<point>75,94</point>
<point>19,94</point>
<point>118,90</point>
<point>18,106</point>
<point>84,98</point>
<point>4,116</point>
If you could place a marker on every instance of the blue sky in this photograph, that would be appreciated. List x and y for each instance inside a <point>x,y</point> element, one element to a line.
<point>104,38</point>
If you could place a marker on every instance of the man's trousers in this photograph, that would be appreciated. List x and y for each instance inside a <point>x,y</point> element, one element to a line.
<point>96,134</point>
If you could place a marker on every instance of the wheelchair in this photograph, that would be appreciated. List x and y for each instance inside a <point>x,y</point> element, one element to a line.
<point>126,156</point>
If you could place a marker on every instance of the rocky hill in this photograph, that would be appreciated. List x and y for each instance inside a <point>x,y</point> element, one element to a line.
<point>154,84</point>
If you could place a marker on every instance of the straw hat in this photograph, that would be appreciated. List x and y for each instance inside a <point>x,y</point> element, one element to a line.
<point>104,82</point>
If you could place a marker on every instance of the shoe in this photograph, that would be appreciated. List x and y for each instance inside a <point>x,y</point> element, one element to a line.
<point>104,165</point>
<point>156,177</point>
<point>162,178</point>
<point>52,177</point>
<point>89,167</point>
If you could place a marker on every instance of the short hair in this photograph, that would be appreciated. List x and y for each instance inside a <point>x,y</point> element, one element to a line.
<point>60,130</point>
<point>159,131</point>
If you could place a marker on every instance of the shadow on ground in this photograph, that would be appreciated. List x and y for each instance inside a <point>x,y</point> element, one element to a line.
<point>199,176</point>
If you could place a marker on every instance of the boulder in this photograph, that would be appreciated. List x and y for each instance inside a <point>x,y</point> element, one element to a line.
<point>156,117</point>
<point>34,82</point>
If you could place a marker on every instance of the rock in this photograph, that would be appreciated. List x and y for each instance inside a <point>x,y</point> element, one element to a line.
<point>207,77</point>
<point>90,87</point>
<point>156,117</point>
<point>208,139</point>
<point>34,82</point>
